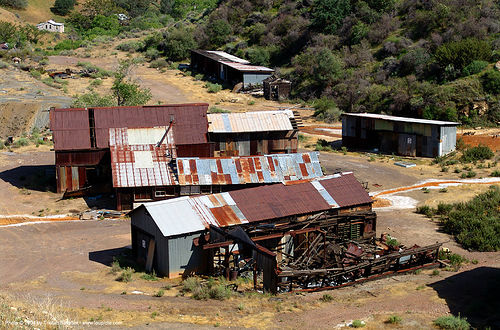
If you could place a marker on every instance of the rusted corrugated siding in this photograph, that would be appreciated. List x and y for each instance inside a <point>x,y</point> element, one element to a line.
<point>259,121</point>
<point>80,158</point>
<point>125,167</point>
<point>244,170</point>
<point>346,190</point>
<point>71,129</point>
<point>276,201</point>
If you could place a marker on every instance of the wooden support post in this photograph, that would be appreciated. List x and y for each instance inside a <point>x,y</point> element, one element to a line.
<point>151,252</point>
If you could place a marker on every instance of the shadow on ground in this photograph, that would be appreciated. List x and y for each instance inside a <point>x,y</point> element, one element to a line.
<point>106,257</point>
<point>33,177</point>
<point>474,294</point>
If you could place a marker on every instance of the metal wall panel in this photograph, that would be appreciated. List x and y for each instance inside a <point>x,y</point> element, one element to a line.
<point>448,139</point>
<point>184,257</point>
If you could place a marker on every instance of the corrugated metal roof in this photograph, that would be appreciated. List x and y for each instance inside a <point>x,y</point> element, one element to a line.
<point>195,213</point>
<point>251,169</point>
<point>258,121</point>
<point>190,121</point>
<point>401,119</point>
<point>229,57</point>
<point>246,67</point>
<point>141,164</point>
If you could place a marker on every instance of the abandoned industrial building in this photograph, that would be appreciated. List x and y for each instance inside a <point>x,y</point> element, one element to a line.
<point>140,153</point>
<point>145,170</point>
<point>276,88</point>
<point>173,224</point>
<point>253,133</point>
<point>228,68</point>
<point>399,135</point>
<point>81,139</point>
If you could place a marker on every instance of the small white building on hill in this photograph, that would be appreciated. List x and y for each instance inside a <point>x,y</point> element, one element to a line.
<point>51,26</point>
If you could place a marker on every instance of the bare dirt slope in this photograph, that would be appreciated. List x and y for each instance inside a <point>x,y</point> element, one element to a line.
<point>25,101</point>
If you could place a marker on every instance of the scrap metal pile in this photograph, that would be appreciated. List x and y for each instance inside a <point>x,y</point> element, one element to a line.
<point>311,258</point>
<point>327,265</point>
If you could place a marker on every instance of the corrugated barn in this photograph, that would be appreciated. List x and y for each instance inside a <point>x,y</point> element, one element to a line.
<point>399,135</point>
<point>163,232</point>
<point>228,68</point>
<point>81,138</point>
<point>253,133</point>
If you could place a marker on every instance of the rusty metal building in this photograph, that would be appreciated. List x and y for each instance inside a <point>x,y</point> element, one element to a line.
<point>276,89</point>
<point>253,133</point>
<point>144,172</point>
<point>81,138</point>
<point>399,135</point>
<point>228,68</point>
<point>165,232</point>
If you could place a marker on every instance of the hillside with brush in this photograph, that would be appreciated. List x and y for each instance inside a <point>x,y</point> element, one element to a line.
<point>426,59</point>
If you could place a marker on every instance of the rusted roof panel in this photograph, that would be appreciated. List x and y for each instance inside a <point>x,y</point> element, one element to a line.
<point>258,121</point>
<point>250,169</point>
<point>346,190</point>
<point>196,213</point>
<point>190,120</point>
<point>141,164</point>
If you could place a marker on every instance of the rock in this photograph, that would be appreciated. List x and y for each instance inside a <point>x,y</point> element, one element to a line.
<point>497,65</point>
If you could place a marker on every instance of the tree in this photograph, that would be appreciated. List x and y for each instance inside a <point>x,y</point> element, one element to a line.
<point>177,43</point>
<point>8,31</point>
<point>92,99</point>
<point>327,15</point>
<point>459,54</point>
<point>63,7</point>
<point>16,4</point>
<point>127,92</point>
<point>218,32</point>
<point>166,6</point>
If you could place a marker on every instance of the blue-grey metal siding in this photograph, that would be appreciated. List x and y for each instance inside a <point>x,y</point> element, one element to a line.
<point>448,139</point>
<point>184,257</point>
<point>254,78</point>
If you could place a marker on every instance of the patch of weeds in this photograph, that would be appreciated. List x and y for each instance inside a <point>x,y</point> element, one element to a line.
<point>495,173</point>
<point>126,275</point>
<point>427,210</point>
<point>154,315</point>
<point>452,322</point>
<point>344,150</point>
<point>213,88</point>
<point>252,102</point>
<point>115,267</point>
<point>217,324</point>
<point>218,110</point>
<point>444,169</point>
<point>457,170</point>
<point>480,152</point>
<point>198,77</point>
<point>443,190</point>
<point>167,287</point>
<point>303,138</point>
<point>123,293</point>
<point>160,293</point>
<point>326,298</point>
<point>425,190</point>
<point>24,191</point>
<point>457,260</point>
<point>150,277</point>
<point>394,319</point>
<point>392,242</point>
<point>191,284</point>
<point>474,261</point>
<point>323,145</point>
<point>420,287</point>
<point>418,271</point>
<point>358,324</point>
<point>435,272</point>
<point>82,288</point>
<point>241,307</point>
<point>372,159</point>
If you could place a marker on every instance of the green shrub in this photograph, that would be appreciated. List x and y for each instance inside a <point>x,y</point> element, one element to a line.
<point>444,209</point>
<point>427,210</point>
<point>323,145</point>
<point>3,65</point>
<point>480,152</point>
<point>326,298</point>
<point>452,323</point>
<point>220,292</point>
<point>150,277</point>
<point>218,110</point>
<point>443,190</point>
<point>392,242</point>
<point>461,53</point>
<point>394,319</point>
<point>126,275</point>
<point>495,173</point>
<point>67,45</point>
<point>131,46</point>
<point>213,88</point>
<point>160,293</point>
<point>491,81</point>
<point>475,224</point>
<point>190,284</point>
<point>158,63</point>
<point>35,74</point>
<point>358,324</point>
<point>115,267</point>
<point>474,67</point>
<point>21,142</point>
<point>326,109</point>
